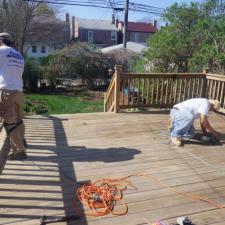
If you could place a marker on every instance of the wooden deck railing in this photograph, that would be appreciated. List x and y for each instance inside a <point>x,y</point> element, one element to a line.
<point>216,89</point>
<point>131,90</point>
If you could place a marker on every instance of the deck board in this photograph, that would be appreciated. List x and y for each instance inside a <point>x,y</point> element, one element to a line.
<point>68,150</point>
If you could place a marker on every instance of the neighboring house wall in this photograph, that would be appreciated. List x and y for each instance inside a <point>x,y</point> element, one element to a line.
<point>138,32</point>
<point>101,33</point>
<point>98,37</point>
<point>140,37</point>
<point>48,34</point>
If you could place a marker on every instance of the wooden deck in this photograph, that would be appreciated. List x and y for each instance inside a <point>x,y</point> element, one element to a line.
<point>66,151</point>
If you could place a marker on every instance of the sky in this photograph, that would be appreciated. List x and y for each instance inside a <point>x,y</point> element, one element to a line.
<point>106,14</point>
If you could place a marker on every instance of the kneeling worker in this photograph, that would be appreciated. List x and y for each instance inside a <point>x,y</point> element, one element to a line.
<point>183,115</point>
<point>11,95</point>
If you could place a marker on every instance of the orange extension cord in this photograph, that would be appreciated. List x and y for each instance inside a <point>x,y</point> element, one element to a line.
<point>103,195</point>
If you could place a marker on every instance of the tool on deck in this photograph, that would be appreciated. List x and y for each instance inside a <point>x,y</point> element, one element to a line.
<point>184,221</point>
<point>52,219</point>
<point>210,139</point>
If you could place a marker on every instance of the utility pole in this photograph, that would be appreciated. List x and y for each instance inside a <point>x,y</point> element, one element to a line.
<point>125,24</point>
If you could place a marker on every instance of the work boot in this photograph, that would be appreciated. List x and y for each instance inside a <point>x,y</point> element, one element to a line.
<point>177,141</point>
<point>17,156</point>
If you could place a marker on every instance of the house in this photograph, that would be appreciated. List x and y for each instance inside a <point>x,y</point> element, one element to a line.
<point>46,35</point>
<point>138,31</point>
<point>100,33</point>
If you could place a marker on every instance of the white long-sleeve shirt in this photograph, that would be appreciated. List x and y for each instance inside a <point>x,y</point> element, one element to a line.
<point>11,69</point>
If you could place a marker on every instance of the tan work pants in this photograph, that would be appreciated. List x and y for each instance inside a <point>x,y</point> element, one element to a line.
<point>11,111</point>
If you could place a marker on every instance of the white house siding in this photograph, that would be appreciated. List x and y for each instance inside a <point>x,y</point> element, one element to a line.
<point>38,54</point>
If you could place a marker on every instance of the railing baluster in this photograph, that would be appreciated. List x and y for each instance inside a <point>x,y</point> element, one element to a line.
<point>157,91</point>
<point>180,90</point>
<point>138,93</point>
<point>153,92</point>
<point>162,90</point>
<point>210,89</point>
<point>222,93</point>
<point>214,89</point>
<point>148,89</point>
<point>143,90</point>
<point>167,88</point>
<point>185,89</point>
<point>171,91</point>
<point>175,91</point>
<point>192,87</point>
<point>128,91</point>
<point>218,89</point>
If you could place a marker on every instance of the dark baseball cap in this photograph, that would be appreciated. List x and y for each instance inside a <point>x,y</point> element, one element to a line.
<point>6,37</point>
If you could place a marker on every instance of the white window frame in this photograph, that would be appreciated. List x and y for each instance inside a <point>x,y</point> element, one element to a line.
<point>113,35</point>
<point>34,49</point>
<point>43,49</point>
<point>90,36</point>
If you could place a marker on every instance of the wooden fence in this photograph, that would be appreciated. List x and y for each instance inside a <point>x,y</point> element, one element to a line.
<point>136,90</point>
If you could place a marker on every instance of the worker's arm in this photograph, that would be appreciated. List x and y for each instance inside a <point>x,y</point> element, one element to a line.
<point>206,127</point>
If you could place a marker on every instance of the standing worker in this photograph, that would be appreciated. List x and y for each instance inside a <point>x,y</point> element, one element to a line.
<point>11,95</point>
<point>183,115</point>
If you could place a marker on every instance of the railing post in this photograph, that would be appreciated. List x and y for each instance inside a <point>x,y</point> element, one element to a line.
<point>204,93</point>
<point>118,70</point>
<point>205,70</point>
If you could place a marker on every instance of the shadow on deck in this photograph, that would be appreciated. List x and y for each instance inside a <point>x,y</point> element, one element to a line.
<point>51,160</point>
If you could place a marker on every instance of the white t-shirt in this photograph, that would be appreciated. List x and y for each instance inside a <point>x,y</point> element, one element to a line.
<point>11,69</point>
<point>195,106</point>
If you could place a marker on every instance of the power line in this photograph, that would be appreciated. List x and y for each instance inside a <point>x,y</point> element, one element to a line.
<point>105,4</point>
<point>114,12</point>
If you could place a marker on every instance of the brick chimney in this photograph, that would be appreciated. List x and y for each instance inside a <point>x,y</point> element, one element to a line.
<point>117,23</point>
<point>155,23</point>
<point>67,17</point>
<point>73,28</point>
<point>113,19</point>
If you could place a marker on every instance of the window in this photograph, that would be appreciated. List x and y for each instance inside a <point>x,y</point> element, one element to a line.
<point>90,37</point>
<point>113,35</point>
<point>58,46</point>
<point>136,37</point>
<point>43,49</point>
<point>34,49</point>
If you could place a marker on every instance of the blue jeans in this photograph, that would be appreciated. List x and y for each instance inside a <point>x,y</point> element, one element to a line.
<point>182,124</point>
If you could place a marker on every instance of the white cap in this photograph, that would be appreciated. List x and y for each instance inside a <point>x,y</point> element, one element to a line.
<point>215,103</point>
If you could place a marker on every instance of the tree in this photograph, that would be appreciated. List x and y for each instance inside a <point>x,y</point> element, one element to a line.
<point>16,17</point>
<point>78,61</point>
<point>171,47</point>
<point>31,74</point>
<point>211,52</point>
<point>193,39</point>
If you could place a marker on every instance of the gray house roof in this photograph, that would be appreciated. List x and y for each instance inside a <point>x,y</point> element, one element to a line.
<point>96,24</point>
<point>132,46</point>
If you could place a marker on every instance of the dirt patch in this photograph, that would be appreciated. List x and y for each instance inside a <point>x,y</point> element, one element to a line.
<point>96,96</point>
<point>36,102</point>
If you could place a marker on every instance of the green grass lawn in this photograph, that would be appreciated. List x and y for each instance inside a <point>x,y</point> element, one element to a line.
<point>62,104</point>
